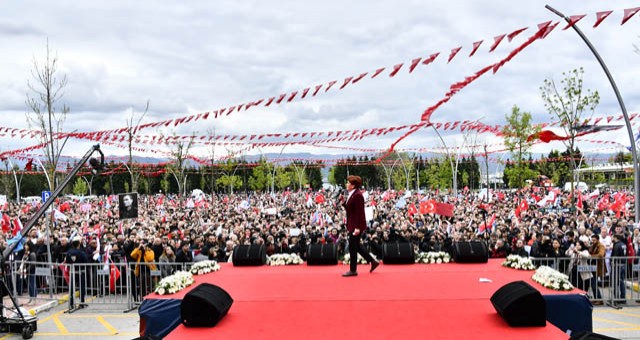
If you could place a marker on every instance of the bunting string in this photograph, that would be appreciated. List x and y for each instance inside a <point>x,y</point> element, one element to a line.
<point>335,85</point>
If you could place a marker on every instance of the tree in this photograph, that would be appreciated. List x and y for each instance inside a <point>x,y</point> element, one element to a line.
<point>260,178</point>
<point>133,125</point>
<point>10,179</point>
<point>45,115</point>
<point>176,167</point>
<point>569,104</point>
<point>516,132</point>
<point>314,175</point>
<point>80,187</point>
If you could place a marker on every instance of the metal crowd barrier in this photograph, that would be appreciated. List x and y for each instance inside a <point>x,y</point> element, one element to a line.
<point>49,279</point>
<point>117,284</point>
<point>618,284</point>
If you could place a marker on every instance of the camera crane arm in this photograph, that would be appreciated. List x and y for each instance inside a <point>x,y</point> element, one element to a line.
<point>95,164</point>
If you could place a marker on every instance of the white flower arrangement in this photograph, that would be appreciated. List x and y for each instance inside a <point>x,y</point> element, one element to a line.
<point>204,267</point>
<point>518,262</point>
<point>433,257</point>
<point>347,259</point>
<point>284,259</point>
<point>174,283</point>
<point>552,279</point>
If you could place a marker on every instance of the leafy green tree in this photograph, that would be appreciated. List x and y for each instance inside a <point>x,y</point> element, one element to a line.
<point>80,187</point>
<point>260,178</point>
<point>516,132</point>
<point>283,178</point>
<point>314,175</point>
<point>570,104</point>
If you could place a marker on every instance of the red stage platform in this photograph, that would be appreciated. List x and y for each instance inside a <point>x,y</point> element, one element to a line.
<point>436,301</point>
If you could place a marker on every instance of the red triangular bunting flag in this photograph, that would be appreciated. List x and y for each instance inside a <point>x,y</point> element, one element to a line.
<point>628,13</point>
<point>549,29</point>
<point>378,71</point>
<point>318,87</point>
<point>476,45</point>
<point>357,79</point>
<point>600,16</point>
<point>543,25</point>
<point>414,63</point>
<point>304,92</point>
<point>396,68</point>
<point>496,41</point>
<point>331,83</point>
<point>573,20</point>
<point>293,95</point>
<point>515,33</point>
<point>430,59</point>
<point>453,53</point>
<point>346,82</point>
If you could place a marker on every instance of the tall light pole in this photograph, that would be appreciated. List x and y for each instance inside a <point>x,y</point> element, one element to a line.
<point>636,171</point>
<point>15,178</point>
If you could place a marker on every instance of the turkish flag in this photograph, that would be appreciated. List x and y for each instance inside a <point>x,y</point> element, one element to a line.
<point>427,207</point>
<point>6,223</point>
<point>488,225</point>
<point>65,270</point>
<point>412,210</point>
<point>603,203</point>
<point>320,198</point>
<point>114,275</point>
<point>444,209</point>
<point>523,206</point>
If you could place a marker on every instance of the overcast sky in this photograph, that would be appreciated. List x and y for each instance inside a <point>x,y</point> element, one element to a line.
<point>199,56</point>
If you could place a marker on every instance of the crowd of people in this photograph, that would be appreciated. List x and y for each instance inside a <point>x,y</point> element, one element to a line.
<point>171,229</point>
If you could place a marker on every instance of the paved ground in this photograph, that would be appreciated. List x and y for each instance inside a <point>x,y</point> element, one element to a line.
<point>84,324</point>
<point>622,323</point>
<point>114,324</point>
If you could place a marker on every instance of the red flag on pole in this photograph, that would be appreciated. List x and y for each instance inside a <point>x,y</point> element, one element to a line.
<point>114,275</point>
<point>65,270</point>
<point>444,209</point>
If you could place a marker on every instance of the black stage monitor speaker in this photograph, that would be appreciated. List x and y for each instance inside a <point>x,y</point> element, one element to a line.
<point>590,336</point>
<point>398,253</point>
<point>520,305</point>
<point>322,254</point>
<point>470,252</point>
<point>249,255</point>
<point>204,306</point>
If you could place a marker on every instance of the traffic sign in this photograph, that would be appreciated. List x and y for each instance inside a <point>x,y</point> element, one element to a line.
<point>45,196</point>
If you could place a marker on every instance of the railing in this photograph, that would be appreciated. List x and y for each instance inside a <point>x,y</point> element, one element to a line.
<point>613,281</point>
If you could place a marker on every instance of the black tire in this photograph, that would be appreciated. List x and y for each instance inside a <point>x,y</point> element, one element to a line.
<point>27,332</point>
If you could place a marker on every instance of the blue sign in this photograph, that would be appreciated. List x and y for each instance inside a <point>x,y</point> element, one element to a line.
<point>45,196</point>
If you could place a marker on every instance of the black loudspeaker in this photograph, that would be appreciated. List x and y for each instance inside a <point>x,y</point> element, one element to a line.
<point>322,254</point>
<point>249,255</point>
<point>470,252</point>
<point>520,305</point>
<point>204,306</point>
<point>590,336</point>
<point>148,337</point>
<point>398,253</point>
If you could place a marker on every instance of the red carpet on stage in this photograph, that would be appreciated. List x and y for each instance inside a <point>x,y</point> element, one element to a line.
<point>436,301</point>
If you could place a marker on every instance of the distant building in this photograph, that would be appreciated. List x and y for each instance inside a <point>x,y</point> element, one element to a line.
<point>617,175</point>
<point>495,180</point>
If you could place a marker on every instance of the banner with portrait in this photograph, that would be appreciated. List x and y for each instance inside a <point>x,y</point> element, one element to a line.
<point>128,205</point>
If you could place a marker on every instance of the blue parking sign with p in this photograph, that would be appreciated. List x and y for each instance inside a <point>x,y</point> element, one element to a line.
<point>45,196</point>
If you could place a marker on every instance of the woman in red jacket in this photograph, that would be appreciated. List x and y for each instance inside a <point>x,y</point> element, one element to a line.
<point>356,225</point>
